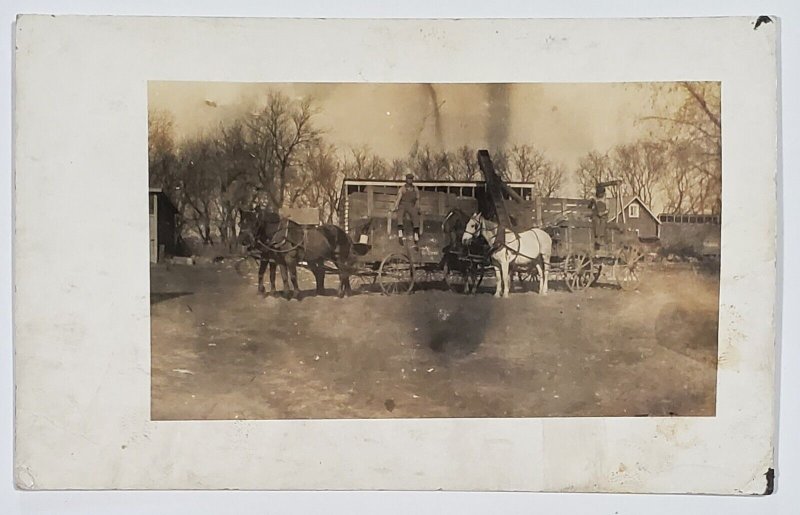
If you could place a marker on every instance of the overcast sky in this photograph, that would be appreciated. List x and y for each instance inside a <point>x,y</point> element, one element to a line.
<point>565,121</point>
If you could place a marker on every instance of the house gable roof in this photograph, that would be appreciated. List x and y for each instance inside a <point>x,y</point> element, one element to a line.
<point>627,201</point>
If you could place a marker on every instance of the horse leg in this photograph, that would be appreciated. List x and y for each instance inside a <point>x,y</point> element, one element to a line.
<point>540,273</point>
<point>272,267</point>
<point>286,282</point>
<point>319,276</point>
<point>504,266</point>
<point>348,290</point>
<point>293,275</point>
<point>545,268</point>
<point>498,274</point>
<point>262,267</point>
<point>344,282</point>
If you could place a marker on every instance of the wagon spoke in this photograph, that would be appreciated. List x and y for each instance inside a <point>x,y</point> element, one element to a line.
<point>396,274</point>
<point>626,267</point>
<point>578,272</point>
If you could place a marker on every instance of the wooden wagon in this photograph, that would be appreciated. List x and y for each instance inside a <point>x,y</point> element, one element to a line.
<point>365,213</point>
<point>580,256</point>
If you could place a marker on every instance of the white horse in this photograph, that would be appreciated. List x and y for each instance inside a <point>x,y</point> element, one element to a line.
<point>526,248</point>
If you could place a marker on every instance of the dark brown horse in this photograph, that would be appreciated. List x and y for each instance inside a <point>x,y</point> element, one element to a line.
<point>453,227</point>
<point>285,243</point>
<point>293,243</point>
<point>256,229</point>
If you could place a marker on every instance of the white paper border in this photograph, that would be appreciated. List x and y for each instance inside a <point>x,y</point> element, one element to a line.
<point>82,364</point>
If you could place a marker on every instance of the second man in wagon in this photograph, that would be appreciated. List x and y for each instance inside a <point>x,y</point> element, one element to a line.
<point>407,202</point>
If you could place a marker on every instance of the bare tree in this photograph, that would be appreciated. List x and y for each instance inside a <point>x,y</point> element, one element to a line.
<point>683,188</point>
<point>531,165</point>
<point>465,164</point>
<point>427,164</point>
<point>160,147</point>
<point>163,164</point>
<point>277,134</point>
<point>592,168</point>
<point>694,135</point>
<point>397,169</point>
<point>234,178</point>
<point>323,174</point>
<point>552,180</point>
<point>641,165</point>
<point>197,184</point>
<point>363,164</point>
<point>500,160</point>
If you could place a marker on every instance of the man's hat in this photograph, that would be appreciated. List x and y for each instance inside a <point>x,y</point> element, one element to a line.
<point>410,176</point>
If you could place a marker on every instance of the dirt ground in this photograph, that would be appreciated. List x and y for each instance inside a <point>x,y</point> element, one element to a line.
<point>220,351</point>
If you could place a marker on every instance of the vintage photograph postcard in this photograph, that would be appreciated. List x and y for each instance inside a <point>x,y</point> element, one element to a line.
<point>516,255</point>
<point>497,258</point>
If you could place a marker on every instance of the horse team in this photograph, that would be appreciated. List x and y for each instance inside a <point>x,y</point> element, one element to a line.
<point>282,243</point>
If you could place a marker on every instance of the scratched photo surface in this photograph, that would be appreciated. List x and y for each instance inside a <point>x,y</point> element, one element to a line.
<point>433,250</point>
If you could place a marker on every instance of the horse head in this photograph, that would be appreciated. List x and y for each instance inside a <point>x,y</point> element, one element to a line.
<point>473,228</point>
<point>247,228</point>
<point>453,226</point>
<point>256,225</point>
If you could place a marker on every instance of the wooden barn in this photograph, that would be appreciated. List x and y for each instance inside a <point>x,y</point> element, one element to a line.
<point>637,216</point>
<point>164,237</point>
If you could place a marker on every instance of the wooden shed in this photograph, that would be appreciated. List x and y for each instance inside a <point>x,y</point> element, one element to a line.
<point>164,237</point>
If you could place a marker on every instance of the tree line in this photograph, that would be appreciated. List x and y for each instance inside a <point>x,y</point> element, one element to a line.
<point>680,161</point>
<point>278,157</point>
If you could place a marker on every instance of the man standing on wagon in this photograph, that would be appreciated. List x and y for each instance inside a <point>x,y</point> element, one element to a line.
<point>407,202</point>
<point>599,215</point>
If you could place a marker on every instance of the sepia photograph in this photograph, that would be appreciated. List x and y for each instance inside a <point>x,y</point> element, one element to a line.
<point>400,250</point>
<point>504,242</point>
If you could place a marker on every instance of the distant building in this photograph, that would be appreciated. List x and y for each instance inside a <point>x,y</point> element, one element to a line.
<point>637,216</point>
<point>164,237</point>
<point>689,218</point>
<point>690,233</point>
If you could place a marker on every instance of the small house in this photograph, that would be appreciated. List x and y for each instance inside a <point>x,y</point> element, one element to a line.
<point>164,237</point>
<point>637,217</point>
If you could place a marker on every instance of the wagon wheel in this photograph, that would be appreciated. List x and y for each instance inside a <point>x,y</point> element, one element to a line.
<point>396,274</point>
<point>363,281</point>
<point>579,272</point>
<point>527,277</point>
<point>627,267</point>
<point>245,266</point>
<point>457,280</point>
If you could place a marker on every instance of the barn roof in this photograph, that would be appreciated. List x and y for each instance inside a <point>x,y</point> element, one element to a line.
<point>627,201</point>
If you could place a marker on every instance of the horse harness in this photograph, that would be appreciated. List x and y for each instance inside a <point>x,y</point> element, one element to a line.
<point>277,249</point>
<point>516,252</point>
